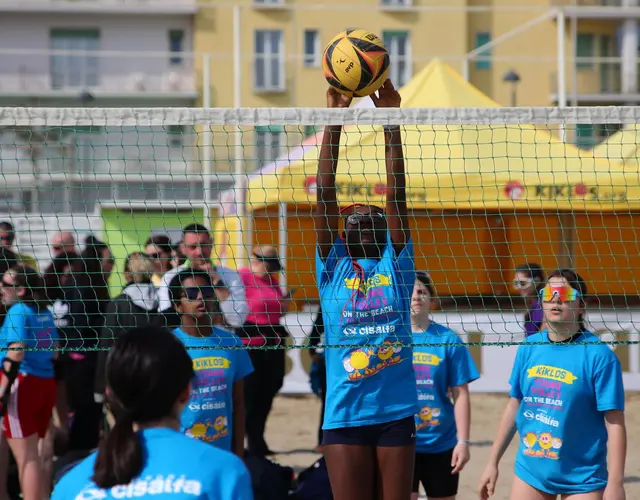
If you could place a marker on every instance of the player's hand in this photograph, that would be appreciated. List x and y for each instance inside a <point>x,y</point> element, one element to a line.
<point>460,457</point>
<point>388,96</point>
<point>488,482</point>
<point>614,491</point>
<point>337,100</point>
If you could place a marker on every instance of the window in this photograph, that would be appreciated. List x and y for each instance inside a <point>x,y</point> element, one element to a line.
<point>176,46</point>
<point>397,43</point>
<point>585,47</point>
<point>268,144</point>
<point>74,70</point>
<point>483,59</point>
<point>311,49</point>
<point>269,61</point>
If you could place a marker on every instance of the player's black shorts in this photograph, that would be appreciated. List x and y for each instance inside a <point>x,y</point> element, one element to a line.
<point>397,433</point>
<point>433,470</point>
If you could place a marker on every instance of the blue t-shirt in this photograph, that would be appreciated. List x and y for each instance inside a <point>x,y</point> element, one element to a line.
<point>208,416</point>
<point>564,390</point>
<point>36,330</point>
<point>175,468</point>
<point>369,379</point>
<point>438,368</point>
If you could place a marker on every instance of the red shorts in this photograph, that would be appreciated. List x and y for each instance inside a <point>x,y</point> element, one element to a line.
<point>29,407</point>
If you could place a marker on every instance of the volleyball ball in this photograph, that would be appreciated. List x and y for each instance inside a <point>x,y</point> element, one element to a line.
<point>356,63</point>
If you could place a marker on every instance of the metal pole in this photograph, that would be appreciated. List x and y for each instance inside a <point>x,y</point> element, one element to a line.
<point>207,164</point>
<point>239,183</point>
<point>282,243</point>
<point>465,68</point>
<point>562,84</point>
<point>509,34</point>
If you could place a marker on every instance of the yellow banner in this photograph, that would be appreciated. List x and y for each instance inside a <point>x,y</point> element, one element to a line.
<point>372,282</point>
<point>211,363</point>
<point>551,373</point>
<point>423,358</point>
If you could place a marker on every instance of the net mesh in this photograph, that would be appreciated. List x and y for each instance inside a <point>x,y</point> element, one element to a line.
<point>487,190</point>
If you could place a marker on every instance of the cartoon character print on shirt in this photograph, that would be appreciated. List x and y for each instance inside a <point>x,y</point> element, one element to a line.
<point>424,365</point>
<point>544,403</point>
<point>369,361</point>
<point>206,399</point>
<point>369,312</point>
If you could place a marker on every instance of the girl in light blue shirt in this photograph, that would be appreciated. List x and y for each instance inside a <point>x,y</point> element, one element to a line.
<point>149,376</point>
<point>567,404</point>
<point>444,369</point>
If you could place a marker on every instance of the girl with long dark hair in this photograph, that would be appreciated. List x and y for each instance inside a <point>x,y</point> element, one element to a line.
<point>27,384</point>
<point>149,374</point>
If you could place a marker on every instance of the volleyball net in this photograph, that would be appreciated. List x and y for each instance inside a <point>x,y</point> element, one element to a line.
<point>487,190</point>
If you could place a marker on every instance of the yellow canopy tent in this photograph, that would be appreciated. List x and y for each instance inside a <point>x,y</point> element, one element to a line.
<point>622,148</point>
<point>472,179</point>
<point>456,167</point>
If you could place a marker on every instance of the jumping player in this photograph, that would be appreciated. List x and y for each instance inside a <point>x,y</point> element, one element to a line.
<point>567,404</point>
<point>27,384</point>
<point>365,277</point>
<point>145,455</point>
<point>215,414</point>
<point>443,366</point>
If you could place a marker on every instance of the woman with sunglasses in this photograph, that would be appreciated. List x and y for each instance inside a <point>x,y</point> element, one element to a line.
<point>149,376</point>
<point>529,280</point>
<point>567,404</point>
<point>215,413</point>
<point>444,369</point>
<point>365,277</point>
<point>267,306</point>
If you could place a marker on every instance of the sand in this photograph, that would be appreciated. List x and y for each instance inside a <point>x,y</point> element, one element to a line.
<point>293,424</point>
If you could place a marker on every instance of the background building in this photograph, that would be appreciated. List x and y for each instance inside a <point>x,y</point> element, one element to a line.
<point>264,53</point>
<point>105,53</point>
<point>281,44</point>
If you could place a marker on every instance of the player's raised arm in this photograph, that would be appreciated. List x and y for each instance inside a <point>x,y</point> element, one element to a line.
<point>396,208</point>
<point>327,204</point>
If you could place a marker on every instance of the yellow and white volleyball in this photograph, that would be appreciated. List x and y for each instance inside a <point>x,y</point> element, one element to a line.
<point>356,63</point>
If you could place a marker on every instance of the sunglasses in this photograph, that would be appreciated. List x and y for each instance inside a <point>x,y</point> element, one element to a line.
<point>193,292</point>
<point>357,218</point>
<point>154,256</point>
<point>563,292</point>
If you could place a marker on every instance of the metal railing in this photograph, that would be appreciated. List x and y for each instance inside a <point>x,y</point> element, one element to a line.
<point>27,70</point>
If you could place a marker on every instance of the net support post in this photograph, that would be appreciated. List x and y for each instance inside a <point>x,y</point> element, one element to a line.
<point>241,190</point>
<point>282,243</point>
<point>562,67</point>
<point>207,164</point>
<point>566,239</point>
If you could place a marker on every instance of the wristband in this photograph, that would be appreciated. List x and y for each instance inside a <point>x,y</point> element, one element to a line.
<point>463,441</point>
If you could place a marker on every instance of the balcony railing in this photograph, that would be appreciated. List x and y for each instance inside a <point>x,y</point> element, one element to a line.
<point>587,3</point>
<point>157,7</point>
<point>596,77</point>
<point>108,72</point>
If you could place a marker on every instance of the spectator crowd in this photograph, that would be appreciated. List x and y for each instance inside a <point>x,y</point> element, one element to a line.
<point>74,289</point>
